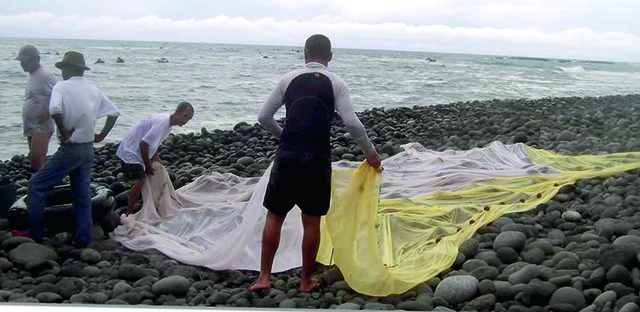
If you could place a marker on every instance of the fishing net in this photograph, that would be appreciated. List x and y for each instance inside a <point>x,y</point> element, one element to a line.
<point>386,232</point>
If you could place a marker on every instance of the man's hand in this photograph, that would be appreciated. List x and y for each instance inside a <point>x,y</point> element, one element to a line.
<point>374,161</point>
<point>65,134</point>
<point>97,138</point>
<point>149,170</point>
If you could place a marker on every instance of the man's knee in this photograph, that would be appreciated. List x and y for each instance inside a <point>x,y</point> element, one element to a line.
<point>310,221</point>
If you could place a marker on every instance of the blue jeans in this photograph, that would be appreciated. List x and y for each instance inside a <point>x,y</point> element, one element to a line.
<point>75,160</point>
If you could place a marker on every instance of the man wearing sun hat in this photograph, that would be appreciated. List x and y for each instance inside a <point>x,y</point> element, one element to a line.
<point>75,107</point>
<point>37,123</point>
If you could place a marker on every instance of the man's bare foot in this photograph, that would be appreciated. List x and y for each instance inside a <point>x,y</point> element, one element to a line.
<point>308,285</point>
<point>261,283</point>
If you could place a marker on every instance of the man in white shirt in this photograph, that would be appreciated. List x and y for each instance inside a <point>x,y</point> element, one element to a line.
<point>301,174</point>
<point>75,107</point>
<point>140,146</point>
<point>37,124</point>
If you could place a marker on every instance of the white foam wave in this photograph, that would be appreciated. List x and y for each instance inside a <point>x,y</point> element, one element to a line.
<point>572,69</point>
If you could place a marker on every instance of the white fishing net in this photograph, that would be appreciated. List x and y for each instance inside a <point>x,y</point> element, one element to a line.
<point>217,220</point>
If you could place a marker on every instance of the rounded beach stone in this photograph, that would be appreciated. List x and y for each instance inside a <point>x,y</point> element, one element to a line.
<point>469,247</point>
<point>70,286</point>
<point>288,304</point>
<point>31,252</point>
<point>414,305</point>
<point>174,285</point>
<point>473,264</point>
<point>534,256</point>
<point>538,293</point>
<point>568,295</point>
<point>525,274</point>
<point>630,307</point>
<point>566,135</point>
<point>49,297</point>
<point>131,273</point>
<point>487,287</point>
<point>485,272</point>
<point>13,242</point>
<point>348,306</point>
<point>571,216</point>
<point>90,256</point>
<point>482,303</point>
<point>619,274</point>
<point>507,255</point>
<point>457,289</point>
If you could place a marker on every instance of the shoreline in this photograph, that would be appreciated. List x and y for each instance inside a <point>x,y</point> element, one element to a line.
<point>576,258</point>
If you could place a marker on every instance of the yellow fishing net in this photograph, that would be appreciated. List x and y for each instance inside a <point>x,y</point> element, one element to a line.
<point>390,246</point>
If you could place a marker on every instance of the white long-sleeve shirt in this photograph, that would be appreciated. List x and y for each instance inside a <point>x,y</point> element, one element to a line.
<point>342,105</point>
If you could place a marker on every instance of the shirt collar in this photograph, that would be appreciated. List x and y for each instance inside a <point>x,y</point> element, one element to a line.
<point>76,78</point>
<point>314,65</point>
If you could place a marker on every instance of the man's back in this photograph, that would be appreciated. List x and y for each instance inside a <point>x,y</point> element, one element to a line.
<point>80,104</point>
<point>310,105</point>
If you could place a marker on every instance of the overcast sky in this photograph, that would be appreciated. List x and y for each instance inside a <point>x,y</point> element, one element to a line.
<point>583,29</point>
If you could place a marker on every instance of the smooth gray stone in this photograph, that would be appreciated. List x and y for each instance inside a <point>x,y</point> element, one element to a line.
<point>457,289</point>
<point>70,286</point>
<point>415,305</point>
<point>607,296</point>
<point>481,303</point>
<point>571,216</point>
<point>13,242</point>
<point>568,295</point>
<point>473,264</point>
<point>525,275</point>
<point>469,247</point>
<point>487,272</point>
<point>513,239</point>
<point>348,306</point>
<point>287,304</point>
<point>120,288</point>
<point>174,285</point>
<point>31,252</point>
<point>90,256</point>
<point>619,274</point>
<point>5,264</point>
<point>630,307</point>
<point>48,297</point>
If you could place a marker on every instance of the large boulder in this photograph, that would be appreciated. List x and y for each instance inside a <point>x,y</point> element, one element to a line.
<point>31,253</point>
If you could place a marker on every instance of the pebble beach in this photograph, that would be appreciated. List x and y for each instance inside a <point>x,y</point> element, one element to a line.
<point>578,252</point>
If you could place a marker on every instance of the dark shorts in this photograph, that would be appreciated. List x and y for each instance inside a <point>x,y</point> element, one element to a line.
<point>132,172</point>
<point>302,179</point>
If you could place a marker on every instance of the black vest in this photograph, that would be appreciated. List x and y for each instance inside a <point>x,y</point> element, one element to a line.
<point>309,102</point>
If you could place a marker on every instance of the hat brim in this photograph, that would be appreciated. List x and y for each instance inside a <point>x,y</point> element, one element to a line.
<point>61,65</point>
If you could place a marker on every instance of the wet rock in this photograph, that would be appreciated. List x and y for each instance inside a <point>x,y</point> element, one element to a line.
<point>174,285</point>
<point>28,253</point>
<point>457,289</point>
<point>512,239</point>
<point>570,296</point>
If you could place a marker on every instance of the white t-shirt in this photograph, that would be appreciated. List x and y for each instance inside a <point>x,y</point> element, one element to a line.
<point>81,104</point>
<point>342,105</point>
<point>153,130</point>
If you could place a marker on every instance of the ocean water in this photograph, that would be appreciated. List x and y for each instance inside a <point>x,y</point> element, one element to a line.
<point>229,83</point>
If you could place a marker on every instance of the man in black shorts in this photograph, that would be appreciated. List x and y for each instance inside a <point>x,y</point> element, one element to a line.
<point>301,174</point>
